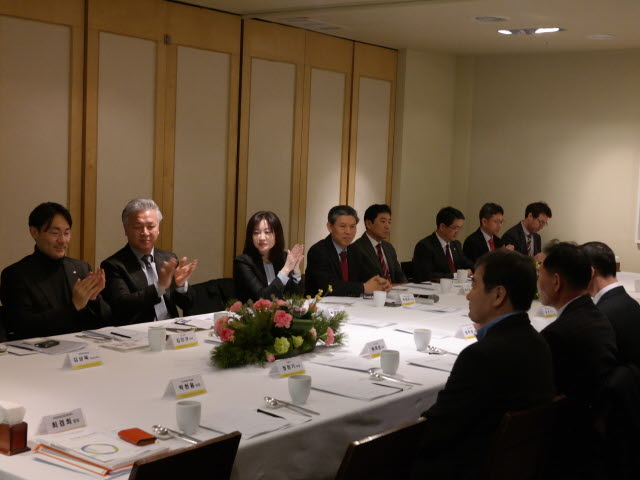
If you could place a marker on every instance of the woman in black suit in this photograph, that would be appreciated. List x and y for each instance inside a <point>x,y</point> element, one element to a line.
<point>265,268</point>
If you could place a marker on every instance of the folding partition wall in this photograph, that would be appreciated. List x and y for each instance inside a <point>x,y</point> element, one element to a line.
<point>159,101</point>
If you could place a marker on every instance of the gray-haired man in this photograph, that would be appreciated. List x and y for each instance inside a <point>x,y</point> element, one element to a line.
<point>145,283</point>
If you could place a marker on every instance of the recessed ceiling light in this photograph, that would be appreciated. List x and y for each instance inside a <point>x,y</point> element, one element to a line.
<point>601,36</point>
<point>490,19</point>
<point>530,31</point>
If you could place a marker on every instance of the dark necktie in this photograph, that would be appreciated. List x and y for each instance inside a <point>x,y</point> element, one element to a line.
<point>383,264</point>
<point>344,265</point>
<point>492,245</point>
<point>160,308</point>
<point>529,249</point>
<point>452,266</point>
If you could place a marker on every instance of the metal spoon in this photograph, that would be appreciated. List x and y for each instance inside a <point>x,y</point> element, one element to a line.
<point>275,403</point>
<point>161,431</point>
<point>383,376</point>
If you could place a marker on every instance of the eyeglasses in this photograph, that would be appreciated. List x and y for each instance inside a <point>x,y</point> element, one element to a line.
<point>455,228</point>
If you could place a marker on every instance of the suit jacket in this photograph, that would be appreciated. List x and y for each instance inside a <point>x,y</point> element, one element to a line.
<point>323,269</point>
<point>509,369</point>
<point>584,350</point>
<point>515,236</point>
<point>430,263</point>
<point>132,300</point>
<point>371,264</point>
<point>623,313</point>
<point>251,280</point>
<point>37,301</point>
<point>475,245</point>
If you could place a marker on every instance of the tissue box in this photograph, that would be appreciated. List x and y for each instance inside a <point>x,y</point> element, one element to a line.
<point>13,438</point>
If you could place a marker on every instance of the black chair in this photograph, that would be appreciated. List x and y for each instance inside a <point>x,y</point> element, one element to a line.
<point>378,456</point>
<point>520,446</point>
<point>211,296</point>
<point>214,456</point>
<point>3,329</point>
<point>407,268</point>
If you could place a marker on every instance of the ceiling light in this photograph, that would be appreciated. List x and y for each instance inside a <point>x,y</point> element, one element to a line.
<point>601,36</point>
<point>530,31</point>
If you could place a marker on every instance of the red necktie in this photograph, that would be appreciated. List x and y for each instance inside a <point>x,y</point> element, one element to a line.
<point>452,266</point>
<point>383,264</point>
<point>492,246</point>
<point>344,265</point>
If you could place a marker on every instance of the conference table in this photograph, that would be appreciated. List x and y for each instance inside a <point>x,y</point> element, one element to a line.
<point>128,390</point>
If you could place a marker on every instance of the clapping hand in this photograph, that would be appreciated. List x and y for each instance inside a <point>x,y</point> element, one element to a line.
<point>294,258</point>
<point>87,289</point>
<point>184,270</point>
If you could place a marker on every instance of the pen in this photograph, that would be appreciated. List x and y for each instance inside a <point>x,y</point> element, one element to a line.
<point>119,335</point>
<point>270,414</point>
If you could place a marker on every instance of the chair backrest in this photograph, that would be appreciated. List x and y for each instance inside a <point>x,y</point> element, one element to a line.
<point>520,446</point>
<point>215,456</point>
<point>4,329</point>
<point>386,455</point>
<point>211,296</point>
<point>407,269</point>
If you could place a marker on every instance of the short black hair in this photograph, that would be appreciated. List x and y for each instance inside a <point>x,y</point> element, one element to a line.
<point>374,210</point>
<point>570,262</point>
<point>536,208</point>
<point>340,210</point>
<point>448,215</point>
<point>602,258</point>
<point>512,270</point>
<point>488,210</point>
<point>42,216</point>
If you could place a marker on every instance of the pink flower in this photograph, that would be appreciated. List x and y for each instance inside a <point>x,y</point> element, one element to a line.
<point>226,334</point>
<point>220,324</point>
<point>281,303</point>
<point>313,333</point>
<point>271,357</point>
<point>282,319</point>
<point>313,307</point>
<point>235,308</point>
<point>330,337</point>
<point>262,304</point>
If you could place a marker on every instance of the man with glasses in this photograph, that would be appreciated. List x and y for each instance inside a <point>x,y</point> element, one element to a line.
<point>440,255</point>
<point>485,238</point>
<point>524,236</point>
<point>47,293</point>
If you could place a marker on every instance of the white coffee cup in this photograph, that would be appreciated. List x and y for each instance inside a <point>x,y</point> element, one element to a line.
<point>422,337</point>
<point>157,338</point>
<point>188,416</point>
<point>379,297</point>
<point>446,284</point>
<point>299,388</point>
<point>462,275</point>
<point>389,361</point>
<point>637,284</point>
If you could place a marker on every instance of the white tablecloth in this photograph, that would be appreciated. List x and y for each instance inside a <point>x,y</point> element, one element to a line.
<point>127,391</point>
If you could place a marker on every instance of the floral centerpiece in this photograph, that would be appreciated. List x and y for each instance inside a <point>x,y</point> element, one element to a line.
<point>266,330</point>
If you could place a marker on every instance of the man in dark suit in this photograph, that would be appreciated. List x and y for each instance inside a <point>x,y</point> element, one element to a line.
<point>145,283</point>
<point>524,236</point>
<point>440,255</point>
<point>378,255</point>
<point>584,351</point>
<point>508,368</point>
<point>612,299</point>
<point>485,238</point>
<point>47,293</point>
<point>332,262</point>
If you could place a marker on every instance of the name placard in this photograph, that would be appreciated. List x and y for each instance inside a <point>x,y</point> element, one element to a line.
<point>373,349</point>
<point>287,367</point>
<point>548,312</point>
<point>61,422</point>
<point>186,386</point>
<point>182,340</point>
<point>407,299</point>
<point>466,331</point>
<point>466,288</point>
<point>83,359</point>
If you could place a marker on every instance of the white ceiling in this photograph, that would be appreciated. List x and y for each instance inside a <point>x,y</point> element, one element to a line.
<point>449,25</point>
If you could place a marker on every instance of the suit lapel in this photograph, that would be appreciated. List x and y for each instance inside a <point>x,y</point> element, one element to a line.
<point>333,255</point>
<point>441,260</point>
<point>132,265</point>
<point>71,272</point>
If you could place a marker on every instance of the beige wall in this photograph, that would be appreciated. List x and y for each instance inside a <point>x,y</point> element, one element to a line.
<point>563,128</point>
<point>423,145</point>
